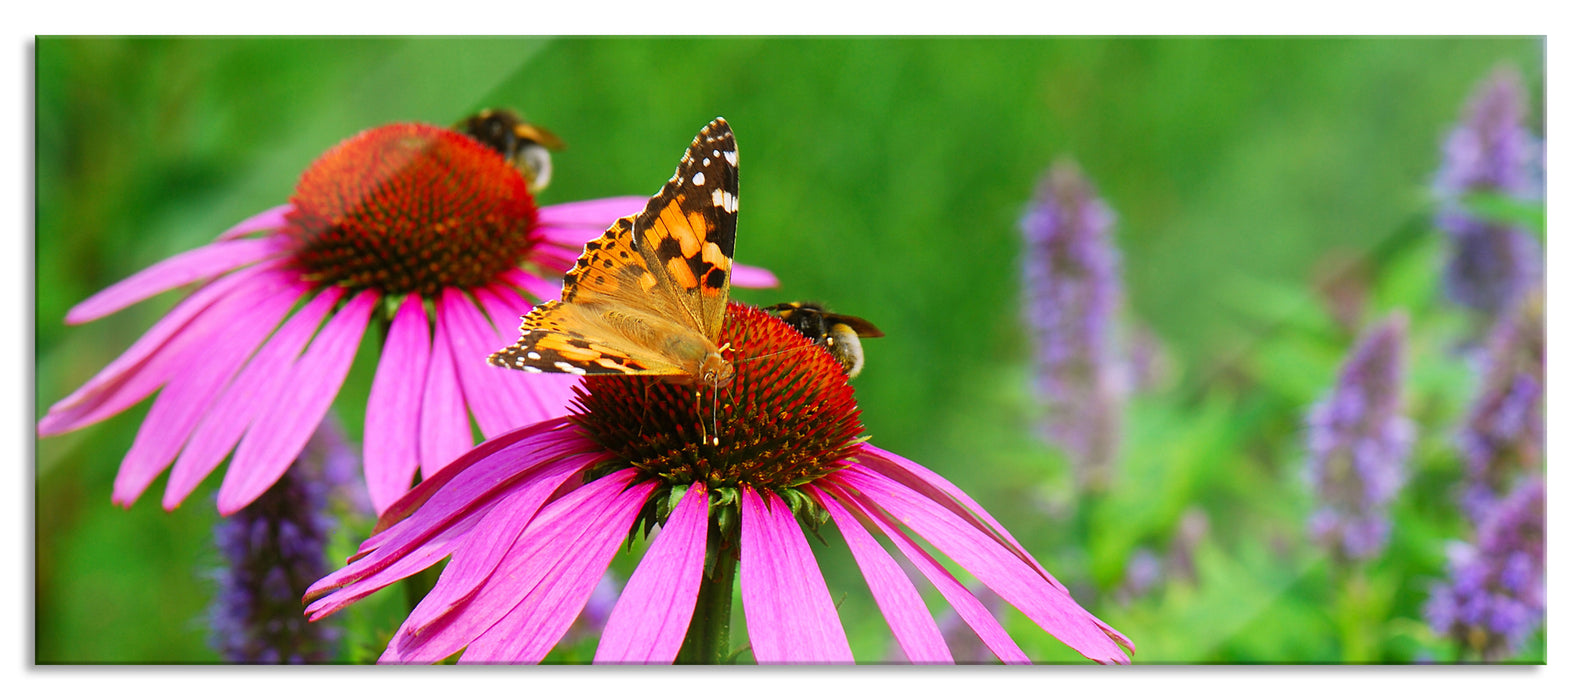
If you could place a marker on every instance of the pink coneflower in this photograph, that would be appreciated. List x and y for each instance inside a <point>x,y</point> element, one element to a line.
<point>423,230</point>
<point>531,519</point>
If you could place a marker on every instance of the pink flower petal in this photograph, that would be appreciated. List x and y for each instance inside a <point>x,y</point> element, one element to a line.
<point>898,599</point>
<point>441,507</point>
<point>207,368</point>
<point>556,262</point>
<point>446,433</point>
<point>529,397</point>
<point>534,443</point>
<point>985,557</point>
<point>650,620</point>
<point>254,387</point>
<point>470,343</point>
<point>185,268</point>
<point>971,610</point>
<point>503,517</point>
<point>500,398</point>
<point>333,592</point>
<point>558,542</point>
<point>539,287</point>
<point>750,277</point>
<point>572,236</point>
<point>267,219</point>
<point>284,427</point>
<point>790,617</point>
<point>148,363</point>
<point>918,478</point>
<point>480,550</point>
<point>596,214</point>
<point>390,428</point>
<point>531,629</point>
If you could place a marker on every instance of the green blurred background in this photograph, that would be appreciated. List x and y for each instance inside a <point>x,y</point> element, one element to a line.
<point>884,177</point>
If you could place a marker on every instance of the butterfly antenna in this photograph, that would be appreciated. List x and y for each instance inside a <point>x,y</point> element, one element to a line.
<point>768,355</point>
<point>716,415</point>
<point>697,398</point>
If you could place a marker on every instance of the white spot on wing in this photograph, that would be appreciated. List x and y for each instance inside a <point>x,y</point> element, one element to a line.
<point>697,178</point>
<point>534,356</point>
<point>570,368</point>
<point>724,200</point>
<point>730,157</point>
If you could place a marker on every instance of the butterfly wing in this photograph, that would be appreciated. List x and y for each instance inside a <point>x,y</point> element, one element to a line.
<point>687,233</point>
<point>648,296</point>
<point>609,319</point>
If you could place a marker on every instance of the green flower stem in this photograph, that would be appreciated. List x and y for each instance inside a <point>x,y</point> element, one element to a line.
<point>1361,612</point>
<point>419,584</point>
<point>709,635</point>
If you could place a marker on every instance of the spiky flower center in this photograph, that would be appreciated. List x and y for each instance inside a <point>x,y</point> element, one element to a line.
<point>786,418</point>
<point>410,208</point>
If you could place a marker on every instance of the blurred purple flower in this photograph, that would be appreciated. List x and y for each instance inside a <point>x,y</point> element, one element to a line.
<point>1071,291</point>
<point>1503,437</point>
<point>1491,149</point>
<point>1491,265</point>
<point>273,549</point>
<point>966,647</point>
<point>1358,442</point>
<point>1495,597</point>
<point>1144,573</point>
<point>1190,533</point>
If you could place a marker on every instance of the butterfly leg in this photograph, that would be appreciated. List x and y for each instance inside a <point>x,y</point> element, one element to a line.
<point>642,422</point>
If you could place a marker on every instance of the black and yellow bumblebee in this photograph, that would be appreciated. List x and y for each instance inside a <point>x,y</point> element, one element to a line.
<point>525,146</point>
<point>838,333</point>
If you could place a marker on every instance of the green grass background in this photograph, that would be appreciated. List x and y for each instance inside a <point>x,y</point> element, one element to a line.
<point>884,177</point>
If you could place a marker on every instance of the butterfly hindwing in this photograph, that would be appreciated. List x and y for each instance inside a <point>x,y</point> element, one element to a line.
<point>578,339</point>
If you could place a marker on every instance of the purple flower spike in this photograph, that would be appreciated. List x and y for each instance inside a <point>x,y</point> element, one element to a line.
<point>1491,150</point>
<point>1358,442</point>
<point>1496,596</point>
<point>1071,291</point>
<point>273,550</point>
<point>1503,437</point>
<point>1491,265</point>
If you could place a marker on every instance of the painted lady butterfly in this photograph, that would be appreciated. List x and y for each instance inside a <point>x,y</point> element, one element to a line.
<point>525,146</point>
<point>648,297</point>
<point>836,332</point>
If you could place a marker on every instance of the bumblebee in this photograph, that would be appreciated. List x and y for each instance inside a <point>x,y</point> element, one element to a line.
<point>525,146</point>
<point>836,332</point>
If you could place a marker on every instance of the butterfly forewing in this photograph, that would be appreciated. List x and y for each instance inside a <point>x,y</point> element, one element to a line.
<point>648,296</point>
<point>687,233</point>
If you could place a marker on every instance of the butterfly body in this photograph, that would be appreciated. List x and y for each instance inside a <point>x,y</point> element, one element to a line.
<point>648,297</point>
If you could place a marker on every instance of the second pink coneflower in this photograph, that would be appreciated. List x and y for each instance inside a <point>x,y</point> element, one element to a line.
<point>419,229</point>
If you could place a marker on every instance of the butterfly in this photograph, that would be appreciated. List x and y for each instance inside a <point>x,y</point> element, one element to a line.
<point>648,297</point>
<point>836,332</point>
<point>525,146</point>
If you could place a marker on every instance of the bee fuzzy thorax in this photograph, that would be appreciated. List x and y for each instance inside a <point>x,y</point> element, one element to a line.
<point>525,146</point>
<point>839,334</point>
